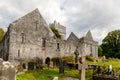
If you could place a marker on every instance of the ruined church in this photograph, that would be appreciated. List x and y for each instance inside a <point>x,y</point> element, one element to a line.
<point>30,36</point>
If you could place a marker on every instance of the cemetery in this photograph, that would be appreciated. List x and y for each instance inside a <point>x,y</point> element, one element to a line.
<point>61,68</point>
<point>94,71</point>
<point>36,69</point>
<point>45,55</point>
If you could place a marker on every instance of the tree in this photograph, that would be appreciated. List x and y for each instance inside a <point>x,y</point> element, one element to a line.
<point>2,33</point>
<point>100,51</point>
<point>111,44</point>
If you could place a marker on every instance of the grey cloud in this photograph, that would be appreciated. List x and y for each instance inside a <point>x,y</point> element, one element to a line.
<point>78,16</point>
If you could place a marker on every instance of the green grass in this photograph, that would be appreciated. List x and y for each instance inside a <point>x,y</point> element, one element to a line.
<point>71,73</point>
<point>49,74</point>
<point>46,74</point>
<point>113,63</point>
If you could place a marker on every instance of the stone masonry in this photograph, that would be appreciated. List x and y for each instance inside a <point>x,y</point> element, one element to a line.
<point>30,37</point>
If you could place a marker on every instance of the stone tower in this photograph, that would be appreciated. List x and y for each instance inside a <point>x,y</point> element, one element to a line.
<point>61,29</point>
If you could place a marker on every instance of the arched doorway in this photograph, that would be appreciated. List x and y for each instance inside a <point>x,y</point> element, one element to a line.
<point>47,61</point>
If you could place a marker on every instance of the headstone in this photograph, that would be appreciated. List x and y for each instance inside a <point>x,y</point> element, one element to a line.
<point>7,71</point>
<point>103,59</point>
<point>98,70</point>
<point>20,69</point>
<point>110,70</point>
<point>24,65</point>
<point>31,66</point>
<point>1,61</point>
<point>61,67</point>
<point>39,64</point>
<point>51,64</point>
<point>55,78</point>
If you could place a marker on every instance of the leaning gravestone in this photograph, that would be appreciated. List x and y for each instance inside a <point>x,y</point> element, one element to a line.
<point>7,71</point>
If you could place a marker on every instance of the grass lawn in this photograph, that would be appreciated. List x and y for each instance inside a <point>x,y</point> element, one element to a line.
<point>46,74</point>
<point>49,74</point>
<point>113,63</point>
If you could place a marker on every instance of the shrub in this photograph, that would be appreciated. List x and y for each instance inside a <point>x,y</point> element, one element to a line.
<point>55,31</point>
<point>113,59</point>
<point>90,58</point>
<point>69,59</point>
<point>55,61</point>
<point>104,67</point>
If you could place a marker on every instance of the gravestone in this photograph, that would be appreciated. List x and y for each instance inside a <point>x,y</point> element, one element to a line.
<point>82,67</point>
<point>61,67</point>
<point>103,59</point>
<point>7,71</point>
<point>1,61</point>
<point>39,64</point>
<point>51,64</point>
<point>76,56</point>
<point>31,66</point>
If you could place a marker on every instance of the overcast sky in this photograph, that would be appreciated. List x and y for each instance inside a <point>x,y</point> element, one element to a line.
<point>79,16</point>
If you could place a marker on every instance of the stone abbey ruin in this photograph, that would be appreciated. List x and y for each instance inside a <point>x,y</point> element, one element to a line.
<point>30,36</point>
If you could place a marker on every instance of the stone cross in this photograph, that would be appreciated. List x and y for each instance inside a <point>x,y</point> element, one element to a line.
<point>82,67</point>
<point>76,55</point>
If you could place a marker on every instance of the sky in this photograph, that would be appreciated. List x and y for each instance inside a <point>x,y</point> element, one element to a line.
<point>78,16</point>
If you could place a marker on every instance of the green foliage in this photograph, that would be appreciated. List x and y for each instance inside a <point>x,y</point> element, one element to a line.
<point>90,58</point>
<point>111,44</point>
<point>72,73</point>
<point>88,74</point>
<point>100,51</point>
<point>117,55</point>
<point>55,31</point>
<point>104,67</point>
<point>2,33</point>
<point>69,59</point>
<point>55,61</point>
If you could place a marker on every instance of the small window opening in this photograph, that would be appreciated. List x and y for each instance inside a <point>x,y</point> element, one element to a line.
<point>43,42</point>
<point>58,46</point>
<point>18,53</point>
